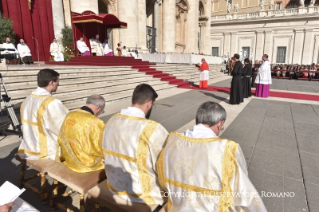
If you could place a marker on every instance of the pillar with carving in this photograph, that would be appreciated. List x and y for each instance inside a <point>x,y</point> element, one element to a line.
<point>168,26</point>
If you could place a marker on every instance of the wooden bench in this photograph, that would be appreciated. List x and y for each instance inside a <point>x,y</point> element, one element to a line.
<point>41,166</point>
<point>78,182</point>
<point>101,195</point>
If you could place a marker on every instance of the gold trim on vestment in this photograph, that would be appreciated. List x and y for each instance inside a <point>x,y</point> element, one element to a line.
<point>130,117</point>
<point>24,151</point>
<point>160,164</point>
<point>197,140</point>
<point>142,153</point>
<point>229,162</point>
<point>42,136</point>
<point>35,95</point>
<point>118,155</point>
<point>122,193</point>
<point>24,120</point>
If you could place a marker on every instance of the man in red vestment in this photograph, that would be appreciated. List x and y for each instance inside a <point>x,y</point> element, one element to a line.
<point>204,74</point>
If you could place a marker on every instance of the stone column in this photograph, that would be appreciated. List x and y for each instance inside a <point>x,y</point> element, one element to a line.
<point>298,46</point>
<point>191,28</point>
<point>67,12</point>
<point>307,47</point>
<point>169,25</point>
<point>128,12</point>
<point>142,25</point>
<point>58,18</point>
<point>227,44</point>
<point>207,43</point>
<point>259,45</point>
<point>268,44</point>
<point>157,4</point>
<point>81,6</point>
<point>233,45</point>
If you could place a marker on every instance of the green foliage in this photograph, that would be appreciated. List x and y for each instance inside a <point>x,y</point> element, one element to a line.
<point>6,29</point>
<point>67,34</point>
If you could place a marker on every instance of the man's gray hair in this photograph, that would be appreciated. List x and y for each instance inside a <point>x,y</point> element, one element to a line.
<point>96,100</point>
<point>210,113</point>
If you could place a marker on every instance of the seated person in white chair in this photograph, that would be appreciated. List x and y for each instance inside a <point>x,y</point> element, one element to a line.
<point>14,57</point>
<point>83,48</point>
<point>25,52</point>
<point>96,46</point>
<point>56,51</point>
<point>106,49</point>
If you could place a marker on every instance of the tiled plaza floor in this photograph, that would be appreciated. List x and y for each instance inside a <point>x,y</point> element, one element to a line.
<point>280,141</point>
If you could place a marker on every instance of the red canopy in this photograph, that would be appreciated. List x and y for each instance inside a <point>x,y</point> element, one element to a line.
<point>88,25</point>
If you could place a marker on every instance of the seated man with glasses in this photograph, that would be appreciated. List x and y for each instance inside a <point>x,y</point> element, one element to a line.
<point>79,137</point>
<point>202,172</point>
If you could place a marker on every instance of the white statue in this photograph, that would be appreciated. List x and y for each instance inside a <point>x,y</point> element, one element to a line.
<point>236,7</point>
<point>271,4</point>
<point>228,7</point>
<point>301,3</point>
<point>262,4</point>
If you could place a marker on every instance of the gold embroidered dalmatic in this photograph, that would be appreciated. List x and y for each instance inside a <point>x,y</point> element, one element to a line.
<point>131,146</point>
<point>79,140</point>
<point>41,117</point>
<point>206,174</point>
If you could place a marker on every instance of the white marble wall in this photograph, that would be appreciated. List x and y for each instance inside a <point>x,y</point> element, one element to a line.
<point>80,6</point>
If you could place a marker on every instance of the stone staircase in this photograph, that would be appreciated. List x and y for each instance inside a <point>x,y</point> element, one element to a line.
<point>76,84</point>
<point>188,72</point>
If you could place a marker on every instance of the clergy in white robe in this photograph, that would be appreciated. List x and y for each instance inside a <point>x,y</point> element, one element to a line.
<point>131,146</point>
<point>12,54</point>
<point>96,46</point>
<point>202,172</point>
<point>25,52</point>
<point>56,51</point>
<point>107,50</point>
<point>125,53</point>
<point>82,47</point>
<point>263,79</point>
<point>42,116</point>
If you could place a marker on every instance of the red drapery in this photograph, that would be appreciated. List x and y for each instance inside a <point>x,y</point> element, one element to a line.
<point>37,22</point>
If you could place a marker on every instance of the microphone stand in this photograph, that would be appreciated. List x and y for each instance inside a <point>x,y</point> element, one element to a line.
<point>37,49</point>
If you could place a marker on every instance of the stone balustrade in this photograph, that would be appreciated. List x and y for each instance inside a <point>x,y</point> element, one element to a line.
<point>269,13</point>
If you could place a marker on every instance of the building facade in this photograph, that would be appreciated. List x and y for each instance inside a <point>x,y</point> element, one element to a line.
<point>287,31</point>
<point>153,25</point>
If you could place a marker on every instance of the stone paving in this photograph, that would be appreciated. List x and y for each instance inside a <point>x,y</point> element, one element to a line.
<point>280,141</point>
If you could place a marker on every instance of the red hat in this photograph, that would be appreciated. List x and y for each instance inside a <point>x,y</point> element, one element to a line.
<point>119,44</point>
<point>203,59</point>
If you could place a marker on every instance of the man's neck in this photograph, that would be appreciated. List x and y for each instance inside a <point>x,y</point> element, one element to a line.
<point>47,89</point>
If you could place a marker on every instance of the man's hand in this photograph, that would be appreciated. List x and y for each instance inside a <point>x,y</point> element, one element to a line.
<point>7,207</point>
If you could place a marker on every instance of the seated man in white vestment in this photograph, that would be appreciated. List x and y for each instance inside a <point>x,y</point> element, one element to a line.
<point>82,47</point>
<point>106,49</point>
<point>206,168</point>
<point>42,116</point>
<point>125,53</point>
<point>56,50</point>
<point>96,46</point>
<point>25,52</point>
<point>131,146</point>
<point>14,54</point>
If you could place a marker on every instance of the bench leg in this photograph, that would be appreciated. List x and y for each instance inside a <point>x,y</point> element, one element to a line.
<point>43,192</point>
<point>82,208</point>
<point>22,173</point>
<point>53,204</point>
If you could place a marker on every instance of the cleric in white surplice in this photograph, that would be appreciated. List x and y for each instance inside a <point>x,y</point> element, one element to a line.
<point>25,52</point>
<point>56,51</point>
<point>211,171</point>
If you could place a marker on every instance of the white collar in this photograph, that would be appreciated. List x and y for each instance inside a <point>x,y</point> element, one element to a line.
<point>41,91</point>
<point>133,111</point>
<point>200,131</point>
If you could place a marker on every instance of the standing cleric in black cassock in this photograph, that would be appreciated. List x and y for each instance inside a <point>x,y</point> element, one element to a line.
<point>236,90</point>
<point>246,79</point>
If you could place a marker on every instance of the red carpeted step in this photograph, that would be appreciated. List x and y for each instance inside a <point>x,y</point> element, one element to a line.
<point>160,75</point>
<point>167,78</point>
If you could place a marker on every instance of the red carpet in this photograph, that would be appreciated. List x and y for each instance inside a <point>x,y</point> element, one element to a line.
<point>272,93</point>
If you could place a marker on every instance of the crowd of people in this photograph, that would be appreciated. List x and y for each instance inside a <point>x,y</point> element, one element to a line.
<point>243,78</point>
<point>143,162</point>
<point>295,71</point>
